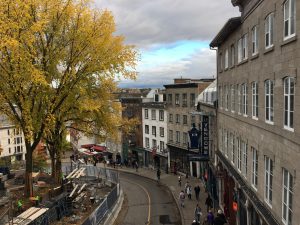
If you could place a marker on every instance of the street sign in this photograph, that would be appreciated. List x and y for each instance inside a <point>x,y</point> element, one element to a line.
<point>205,135</point>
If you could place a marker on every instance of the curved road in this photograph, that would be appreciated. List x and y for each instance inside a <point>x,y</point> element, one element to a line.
<point>146,202</point>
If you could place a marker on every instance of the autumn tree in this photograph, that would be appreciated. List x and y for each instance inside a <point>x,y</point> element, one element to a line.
<point>48,48</point>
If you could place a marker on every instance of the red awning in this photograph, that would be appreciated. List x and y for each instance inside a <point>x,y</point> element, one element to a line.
<point>87,146</point>
<point>99,148</point>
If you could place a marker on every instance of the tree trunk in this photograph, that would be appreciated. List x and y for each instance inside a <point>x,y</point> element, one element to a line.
<point>58,170</point>
<point>28,189</point>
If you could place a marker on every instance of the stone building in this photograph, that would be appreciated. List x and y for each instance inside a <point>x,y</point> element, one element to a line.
<point>181,102</point>
<point>258,127</point>
<point>154,117</point>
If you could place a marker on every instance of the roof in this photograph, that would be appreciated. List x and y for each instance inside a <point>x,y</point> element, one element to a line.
<point>231,25</point>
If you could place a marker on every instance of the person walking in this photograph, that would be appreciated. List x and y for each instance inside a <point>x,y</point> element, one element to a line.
<point>208,203</point>
<point>189,191</point>
<point>197,191</point>
<point>136,166</point>
<point>179,181</point>
<point>220,218</point>
<point>181,198</point>
<point>158,175</point>
<point>210,218</point>
<point>198,213</point>
<point>195,222</point>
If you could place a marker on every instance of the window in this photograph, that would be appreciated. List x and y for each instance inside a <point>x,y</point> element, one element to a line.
<point>232,98</point>
<point>8,141</point>
<point>156,98</point>
<point>8,132</point>
<point>289,92</point>
<point>232,50</point>
<point>185,137</point>
<point>226,97</point>
<point>170,135</point>
<point>226,143</point>
<point>177,103</point>
<point>268,180</point>
<point>184,100</point>
<point>239,155</point>
<point>238,87</point>
<point>254,40</point>
<point>161,131</point>
<point>170,100</point>
<point>244,99</point>
<point>287,197</point>
<point>243,48</point>
<point>9,150</point>
<point>254,167</point>
<point>147,142</point>
<point>184,119</point>
<point>244,158</point>
<point>269,30</point>
<point>232,149</point>
<point>226,59</point>
<point>269,91</point>
<point>193,119</point>
<point>146,129</point>
<point>171,118</point>
<point>153,114</point>
<point>192,100</point>
<point>177,137</point>
<point>177,118</point>
<point>161,115</point>
<point>220,97</point>
<point>154,130</point>
<point>254,100</point>
<point>154,143</point>
<point>146,114</point>
<point>161,145</point>
<point>289,18</point>
<point>221,61</point>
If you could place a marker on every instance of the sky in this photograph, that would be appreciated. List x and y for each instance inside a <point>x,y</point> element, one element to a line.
<point>171,36</point>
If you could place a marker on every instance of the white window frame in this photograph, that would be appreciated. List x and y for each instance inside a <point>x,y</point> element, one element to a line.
<point>233,149</point>
<point>153,114</point>
<point>238,87</point>
<point>232,52</point>
<point>147,142</point>
<point>146,114</point>
<point>147,129</point>
<point>287,191</point>
<point>239,155</point>
<point>289,19</point>
<point>289,103</point>
<point>240,50</point>
<point>226,97</point>
<point>254,178</point>
<point>268,190</point>
<point>226,59</point>
<point>221,96</point>
<point>161,115</point>
<point>245,47</point>
<point>161,131</point>
<point>254,87</point>
<point>171,136</point>
<point>226,142</point>
<point>254,33</point>
<point>232,98</point>
<point>177,136</point>
<point>244,158</point>
<point>269,31</point>
<point>185,137</point>
<point>244,99</point>
<point>269,101</point>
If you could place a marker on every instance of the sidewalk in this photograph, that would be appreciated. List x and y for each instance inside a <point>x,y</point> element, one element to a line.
<point>171,181</point>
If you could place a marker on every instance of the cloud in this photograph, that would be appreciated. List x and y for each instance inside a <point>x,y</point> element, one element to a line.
<point>146,23</point>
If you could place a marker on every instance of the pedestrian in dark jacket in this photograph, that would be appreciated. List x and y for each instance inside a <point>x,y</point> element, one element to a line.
<point>220,218</point>
<point>195,222</point>
<point>208,202</point>
<point>197,192</point>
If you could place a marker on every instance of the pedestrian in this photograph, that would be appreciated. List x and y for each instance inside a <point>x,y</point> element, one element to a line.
<point>197,191</point>
<point>208,202</point>
<point>198,213</point>
<point>185,186</point>
<point>220,218</point>
<point>179,181</point>
<point>136,166</point>
<point>210,218</point>
<point>158,175</point>
<point>195,222</point>
<point>189,191</point>
<point>181,198</point>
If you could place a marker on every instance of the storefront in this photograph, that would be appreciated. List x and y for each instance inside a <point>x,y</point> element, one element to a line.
<point>178,159</point>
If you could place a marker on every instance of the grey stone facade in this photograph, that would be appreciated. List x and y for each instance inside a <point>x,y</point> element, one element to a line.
<point>272,140</point>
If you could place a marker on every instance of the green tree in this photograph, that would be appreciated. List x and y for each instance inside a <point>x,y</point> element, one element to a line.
<point>48,49</point>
